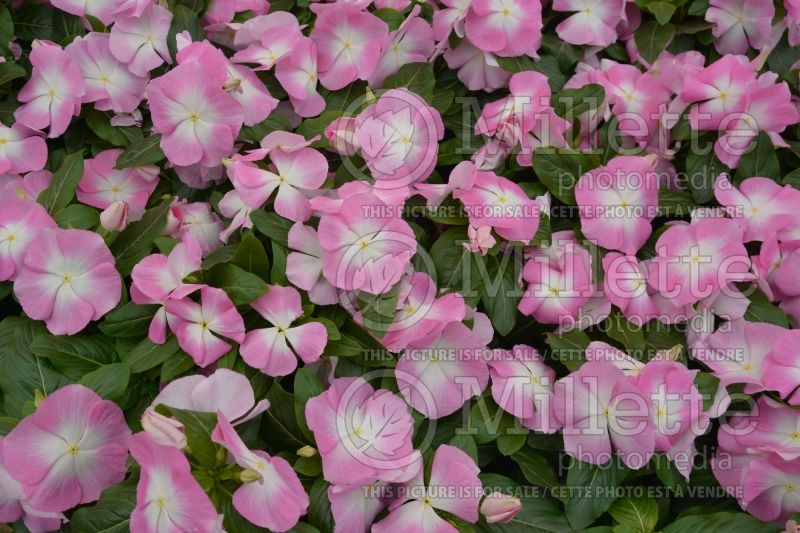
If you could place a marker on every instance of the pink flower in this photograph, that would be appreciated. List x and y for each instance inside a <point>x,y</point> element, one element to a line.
<point>415,510</point>
<point>167,493</point>
<point>721,89</point>
<point>298,75</point>
<point>770,489</point>
<point>163,430</point>
<point>523,386</point>
<point>141,42</point>
<point>130,8</point>
<point>501,204</point>
<point>559,280</point>
<point>158,277</point>
<point>20,224</point>
<point>638,100</point>
<point>412,42</point>
<point>108,81</point>
<point>362,434</point>
<point>296,175</point>
<point>304,265</point>
<point>780,370</point>
<point>617,203</point>
<point>499,508</point>
<point>507,28</point>
<point>349,42</point>
<point>697,260</point>
<point>594,22</point>
<point>740,24</point>
<point>398,136</point>
<point>354,507</point>
<point>232,206</point>
<point>275,350</point>
<point>759,205</point>
<point>200,327</point>
<point>450,17</point>
<point>602,410</point>
<point>198,220</point>
<point>271,495</point>
<point>67,279</point>
<point>439,372</point>
<point>102,184</point>
<point>420,311</point>
<point>224,391</point>
<point>774,428</point>
<point>478,70</point>
<point>69,450</point>
<point>53,94</point>
<point>365,246</point>
<point>625,284</point>
<point>480,239</point>
<point>21,150</point>
<point>198,120</point>
<point>14,505</point>
<point>100,9</point>
<point>267,38</point>
<point>737,350</point>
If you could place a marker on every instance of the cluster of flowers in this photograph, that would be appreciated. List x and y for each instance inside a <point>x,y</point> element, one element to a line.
<point>349,245</point>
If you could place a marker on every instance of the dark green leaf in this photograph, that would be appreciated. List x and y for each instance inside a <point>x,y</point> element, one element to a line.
<point>591,490</point>
<point>111,514</point>
<point>136,241</point>
<point>77,355</point>
<point>63,183</point>
<point>501,292</point>
<point>273,226</point>
<point>663,11</point>
<point>416,77</point>
<point>721,523</point>
<point>251,256</point>
<point>569,347</point>
<point>100,124</point>
<point>701,173</point>
<point>128,320</point>
<point>560,170</point>
<point>77,216</point>
<point>652,38</point>
<point>10,71</point>
<point>109,381</point>
<point>198,429</point>
<point>242,286</point>
<point>639,514</point>
<point>147,355</point>
<point>139,153</point>
<point>761,161</point>
<point>535,468</point>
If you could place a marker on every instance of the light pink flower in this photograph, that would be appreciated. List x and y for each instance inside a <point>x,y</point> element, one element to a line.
<point>298,75</point>
<point>415,510</point>
<point>69,450</point>
<point>412,42</point>
<point>480,239</point>
<point>271,496</point>
<point>304,265</point>
<point>774,428</point>
<point>201,327</point>
<point>740,24</point>
<point>362,434</point>
<point>720,89</point>
<point>232,206</point>
<point>265,39</point>
<point>115,216</point>
<point>130,8</point>
<point>198,220</point>
<point>53,94</point>
<point>770,489</point>
<point>102,184</point>
<point>100,9</point>
<point>354,507</point>
<point>737,350</point>
<point>67,279</point>
<point>21,220</point>
<point>224,391</point>
<point>523,386</point>
<point>759,205</point>
<point>625,284</point>
<point>141,42</point>
<point>638,100</point>
<point>198,120</point>
<point>275,350</point>
<point>507,28</point>
<point>780,370</point>
<point>697,260</point>
<point>349,42</point>
<point>450,18</point>
<point>602,410</point>
<point>594,22</point>
<point>108,81</point>
<point>478,70</point>
<point>365,246</point>
<point>167,494</point>
<point>21,150</point>
<point>437,373</point>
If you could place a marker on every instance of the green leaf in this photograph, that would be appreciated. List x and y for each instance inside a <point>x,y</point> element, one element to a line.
<point>535,468</point>
<point>6,30</point>
<point>509,444</point>
<point>698,8</point>
<point>724,522</point>
<point>501,292</point>
<point>100,123</point>
<point>630,335</point>
<point>63,183</point>
<point>136,241</point>
<point>652,38</point>
<point>319,510</point>
<point>663,11</point>
<point>306,386</point>
<point>184,19</point>
<point>140,153</point>
<point>147,355</point>
<point>109,381</point>
<point>675,203</point>
<point>569,347</point>
<point>591,490</point>
<point>761,160</point>
<point>24,372</point>
<point>111,514</point>
<point>538,515</point>
<point>701,173</point>
<point>378,310</point>
<point>762,310</point>
<point>77,216</point>
<point>242,286</point>
<point>279,422</point>
<point>640,514</point>
<point>10,71</point>
<point>466,444</point>
<point>308,466</point>
<point>198,429</point>
<point>456,267</point>
<point>416,77</point>
<point>392,17</point>
<point>128,320</point>
<point>707,385</point>
<point>251,256</point>
<point>77,355</point>
<point>560,169</point>
<point>274,122</point>
<point>570,103</point>
<point>273,226</point>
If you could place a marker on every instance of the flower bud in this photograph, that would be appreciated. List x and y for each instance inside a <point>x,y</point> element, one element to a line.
<point>115,217</point>
<point>480,239</point>
<point>500,508</point>
<point>307,451</point>
<point>341,135</point>
<point>248,476</point>
<point>163,430</point>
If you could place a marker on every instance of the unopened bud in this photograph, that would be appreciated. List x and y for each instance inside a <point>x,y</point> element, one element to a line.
<point>165,431</point>
<point>233,85</point>
<point>38,397</point>
<point>307,451</point>
<point>248,476</point>
<point>115,217</point>
<point>499,508</point>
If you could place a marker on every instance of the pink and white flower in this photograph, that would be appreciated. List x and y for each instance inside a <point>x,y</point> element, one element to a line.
<point>21,150</point>
<point>21,220</point>
<point>594,22</point>
<point>102,184</point>
<point>140,42</point>
<point>507,28</point>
